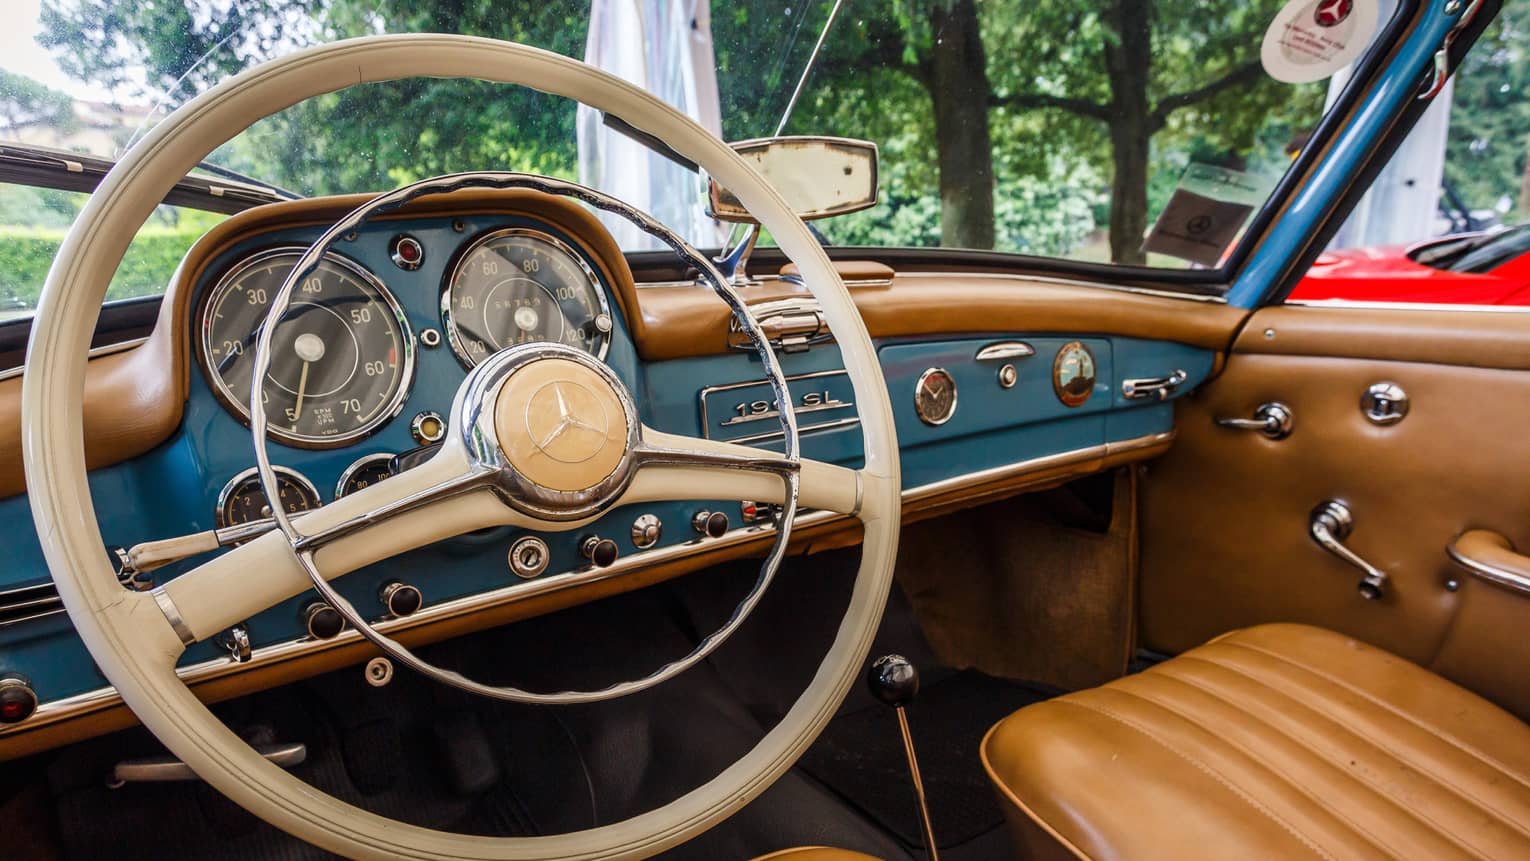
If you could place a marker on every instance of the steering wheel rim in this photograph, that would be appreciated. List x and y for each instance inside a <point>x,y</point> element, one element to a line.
<point>136,637</point>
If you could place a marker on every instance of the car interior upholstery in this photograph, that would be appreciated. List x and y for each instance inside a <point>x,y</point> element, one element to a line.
<point>814,552</point>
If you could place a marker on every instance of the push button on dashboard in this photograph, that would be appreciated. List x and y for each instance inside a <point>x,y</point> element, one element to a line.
<point>17,699</point>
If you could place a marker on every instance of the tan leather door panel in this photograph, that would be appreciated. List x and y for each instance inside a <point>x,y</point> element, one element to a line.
<point>1225,513</point>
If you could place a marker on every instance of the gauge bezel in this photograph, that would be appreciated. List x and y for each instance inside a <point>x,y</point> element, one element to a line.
<point>448,323</point>
<point>1071,400</point>
<point>231,402</point>
<point>921,408</point>
<point>245,475</point>
<point>358,464</point>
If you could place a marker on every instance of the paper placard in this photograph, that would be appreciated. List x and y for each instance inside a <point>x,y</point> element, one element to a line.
<point>1309,40</point>
<point>1205,213</point>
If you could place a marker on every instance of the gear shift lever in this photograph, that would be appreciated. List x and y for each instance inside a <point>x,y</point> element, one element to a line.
<point>894,680</point>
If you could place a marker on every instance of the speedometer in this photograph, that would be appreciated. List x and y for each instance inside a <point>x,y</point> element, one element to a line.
<point>520,286</point>
<point>341,358</point>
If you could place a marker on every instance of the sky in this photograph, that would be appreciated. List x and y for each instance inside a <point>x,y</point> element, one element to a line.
<point>20,53</point>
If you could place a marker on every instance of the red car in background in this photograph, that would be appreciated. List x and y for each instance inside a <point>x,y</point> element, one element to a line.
<point>1465,269</point>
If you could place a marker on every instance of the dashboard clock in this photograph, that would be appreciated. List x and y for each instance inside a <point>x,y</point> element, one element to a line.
<point>1073,373</point>
<point>935,397</point>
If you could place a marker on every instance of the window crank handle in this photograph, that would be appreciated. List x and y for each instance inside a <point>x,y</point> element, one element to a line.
<point>1332,522</point>
<point>1273,419</point>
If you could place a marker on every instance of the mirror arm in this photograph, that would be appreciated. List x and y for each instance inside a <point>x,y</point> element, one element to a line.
<point>733,263</point>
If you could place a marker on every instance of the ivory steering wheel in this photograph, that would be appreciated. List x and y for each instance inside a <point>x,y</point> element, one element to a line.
<point>136,637</point>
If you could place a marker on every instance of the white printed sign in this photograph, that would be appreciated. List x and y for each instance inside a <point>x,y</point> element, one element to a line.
<point>1309,40</point>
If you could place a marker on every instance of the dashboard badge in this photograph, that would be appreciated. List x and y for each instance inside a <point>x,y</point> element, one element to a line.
<point>1073,373</point>
<point>935,397</point>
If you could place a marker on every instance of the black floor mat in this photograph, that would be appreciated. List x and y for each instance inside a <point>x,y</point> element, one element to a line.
<point>860,756</point>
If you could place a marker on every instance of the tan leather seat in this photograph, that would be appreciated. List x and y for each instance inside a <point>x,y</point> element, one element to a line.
<point>815,853</point>
<point>1271,742</point>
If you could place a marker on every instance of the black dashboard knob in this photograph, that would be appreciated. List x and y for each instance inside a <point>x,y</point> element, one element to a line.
<point>712,524</point>
<point>400,599</point>
<point>602,552</point>
<point>17,699</point>
<point>893,679</point>
<point>323,621</point>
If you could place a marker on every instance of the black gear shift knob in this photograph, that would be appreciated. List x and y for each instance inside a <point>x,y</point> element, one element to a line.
<point>893,680</point>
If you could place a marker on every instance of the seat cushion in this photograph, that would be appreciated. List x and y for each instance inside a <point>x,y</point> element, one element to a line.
<point>815,853</point>
<point>1270,742</point>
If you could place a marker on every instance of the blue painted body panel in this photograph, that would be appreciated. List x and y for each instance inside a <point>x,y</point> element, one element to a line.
<point>180,479</point>
<point>1351,148</point>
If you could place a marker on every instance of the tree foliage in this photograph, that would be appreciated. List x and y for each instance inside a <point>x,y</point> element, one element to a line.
<point>1018,124</point>
<point>24,101</point>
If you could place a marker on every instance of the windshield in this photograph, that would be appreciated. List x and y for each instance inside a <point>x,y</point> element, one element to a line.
<point>1087,131</point>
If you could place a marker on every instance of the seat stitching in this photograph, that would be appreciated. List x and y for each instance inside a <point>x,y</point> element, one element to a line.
<point>1384,748</point>
<point>1448,739</point>
<point>1205,769</point>
<point>1394,800</point>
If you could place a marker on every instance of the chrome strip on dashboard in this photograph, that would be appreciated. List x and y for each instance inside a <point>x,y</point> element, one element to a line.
<point>95,353</point>
<point>102,698</point>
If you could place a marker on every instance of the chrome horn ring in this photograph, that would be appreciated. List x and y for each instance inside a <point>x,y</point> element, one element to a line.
<point>489,466</point>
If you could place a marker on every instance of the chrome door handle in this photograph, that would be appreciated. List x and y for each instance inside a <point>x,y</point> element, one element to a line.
<point>1273,419</point>
<point>1332,522</point>
<point>1154,387</point>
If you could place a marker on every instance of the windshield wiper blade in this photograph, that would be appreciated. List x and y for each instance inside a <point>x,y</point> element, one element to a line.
<point>220,170</point>
<point>69,171</point>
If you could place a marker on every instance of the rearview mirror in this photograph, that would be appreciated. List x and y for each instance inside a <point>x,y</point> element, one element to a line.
<point>819,176</point>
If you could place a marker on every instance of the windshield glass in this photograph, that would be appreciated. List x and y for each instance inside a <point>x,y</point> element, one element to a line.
<point>1142,134</point>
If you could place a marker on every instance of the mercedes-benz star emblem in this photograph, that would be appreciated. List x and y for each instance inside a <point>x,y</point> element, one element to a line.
<point>567,422</point>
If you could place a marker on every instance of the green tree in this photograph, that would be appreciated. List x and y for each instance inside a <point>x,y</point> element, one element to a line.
<point>24,101</point>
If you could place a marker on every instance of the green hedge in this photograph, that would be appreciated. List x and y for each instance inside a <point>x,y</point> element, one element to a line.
<point>26,254</point>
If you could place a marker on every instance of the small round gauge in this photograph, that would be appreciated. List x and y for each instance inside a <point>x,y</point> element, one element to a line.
<point>1073,373</point>
<point>935,397</point>
<point>242,499</point>
<point>364,473</point>
<point>342,358</point>
<point>520,286</point>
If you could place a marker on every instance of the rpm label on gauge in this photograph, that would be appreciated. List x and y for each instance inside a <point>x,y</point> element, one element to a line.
<point>341,357</point>
<point>522,286</point>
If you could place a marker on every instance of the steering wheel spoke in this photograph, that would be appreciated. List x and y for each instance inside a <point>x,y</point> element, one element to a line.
<point>680,468</point>
<point>439,499</point>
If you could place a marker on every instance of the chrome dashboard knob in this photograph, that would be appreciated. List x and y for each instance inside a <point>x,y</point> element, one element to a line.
<point>711,524</point>
<point>602,552</point>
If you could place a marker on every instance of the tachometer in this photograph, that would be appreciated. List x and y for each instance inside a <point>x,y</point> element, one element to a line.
<point>341,360</point>
<point>519,286</point>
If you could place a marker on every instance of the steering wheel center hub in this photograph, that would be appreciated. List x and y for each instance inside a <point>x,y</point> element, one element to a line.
<point>561,424</point>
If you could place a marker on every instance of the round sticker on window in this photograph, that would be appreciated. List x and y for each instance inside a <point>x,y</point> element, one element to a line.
<point>1309,40</point>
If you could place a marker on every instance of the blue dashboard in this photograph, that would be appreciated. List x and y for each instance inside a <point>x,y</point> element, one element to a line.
<point>1000,419</point>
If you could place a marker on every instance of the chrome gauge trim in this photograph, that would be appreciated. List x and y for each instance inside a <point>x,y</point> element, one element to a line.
<point>245,475</point>
<point>207,302</point>
<point>449,324</point>
<point>88,702</point>
<point>923,409</point>
<point>359,464</point>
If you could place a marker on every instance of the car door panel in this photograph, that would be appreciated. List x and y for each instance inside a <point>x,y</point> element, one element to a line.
<point>1225,514</point>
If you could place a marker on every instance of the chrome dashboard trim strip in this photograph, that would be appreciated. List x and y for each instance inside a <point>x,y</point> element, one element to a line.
<point>95,353</point>
<point>78,705</point>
